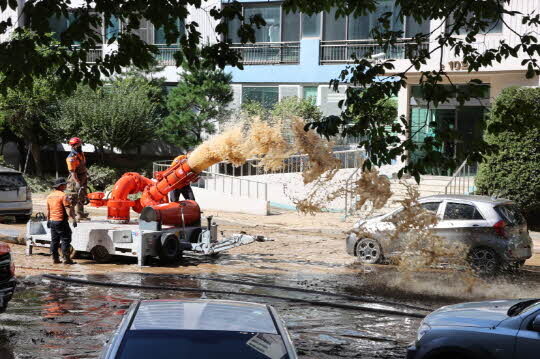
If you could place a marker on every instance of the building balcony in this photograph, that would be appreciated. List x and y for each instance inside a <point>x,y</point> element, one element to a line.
<point>341,51</point>
<point>165,55</point>
<point>267,53</point>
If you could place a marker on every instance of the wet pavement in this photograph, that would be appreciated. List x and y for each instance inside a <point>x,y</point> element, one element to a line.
<point>54,319</point>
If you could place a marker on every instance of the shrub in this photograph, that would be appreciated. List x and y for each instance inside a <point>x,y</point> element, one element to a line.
<point>39,184</point>
<point>101,177</point>
<point>513,170</point>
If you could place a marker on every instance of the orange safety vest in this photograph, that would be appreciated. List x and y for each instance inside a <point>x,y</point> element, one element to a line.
<point>76,162</point>
<point>57,202</point>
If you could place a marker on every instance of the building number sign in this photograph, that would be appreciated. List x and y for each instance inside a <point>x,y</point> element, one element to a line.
<point>458,65</point>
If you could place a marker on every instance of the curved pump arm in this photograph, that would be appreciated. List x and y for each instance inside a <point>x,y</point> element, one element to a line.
<point>154,191</point>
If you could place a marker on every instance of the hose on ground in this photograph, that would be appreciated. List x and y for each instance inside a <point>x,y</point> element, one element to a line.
<point>202,290</point>
<point>301,290</point>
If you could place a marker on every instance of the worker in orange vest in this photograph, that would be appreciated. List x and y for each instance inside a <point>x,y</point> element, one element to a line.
<point>186,191</point>
<point>78,177</point>
<point>58,204</point>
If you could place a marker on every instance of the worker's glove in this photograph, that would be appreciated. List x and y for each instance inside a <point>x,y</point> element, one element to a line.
<point>74,223</point>
<point>48,224</point>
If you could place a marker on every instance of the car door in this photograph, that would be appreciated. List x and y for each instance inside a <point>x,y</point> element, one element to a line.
<point>461,221</point>
<point>528,337</point>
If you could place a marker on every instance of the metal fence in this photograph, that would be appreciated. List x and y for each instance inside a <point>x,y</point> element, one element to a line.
<point>94,54</point>
<point>269,53</point>
<point>341,51</point>
<point>463,180</point>
<point>217,182</point>
<point>165,56</point>
<point>292,164</point>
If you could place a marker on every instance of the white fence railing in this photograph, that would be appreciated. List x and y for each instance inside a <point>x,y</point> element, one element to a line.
<point>234,186</point>
<point>268,53</point>
<point>292,164</point>
<point>166,56</point>
<point>463,180</point>
<point>341,51</point>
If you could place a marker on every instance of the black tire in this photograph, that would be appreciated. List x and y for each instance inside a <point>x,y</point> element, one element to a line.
<point>23,219</point>
<point>169,250</point>
<point>484,261</point>
<point>100,254</point>
<point>369,251</point>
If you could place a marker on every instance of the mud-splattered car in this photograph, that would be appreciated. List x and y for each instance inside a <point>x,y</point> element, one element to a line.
<point>493,231</point>
<point>502,329</point>
<point>7,276</point>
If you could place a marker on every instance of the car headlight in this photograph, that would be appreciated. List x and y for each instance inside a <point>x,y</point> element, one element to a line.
<point>422,330</point>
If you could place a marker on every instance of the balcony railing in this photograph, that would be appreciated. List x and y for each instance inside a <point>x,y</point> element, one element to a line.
<point>166,56</point>
<point>341,51</point>
<point>94,54</point>
<point>264,53</point>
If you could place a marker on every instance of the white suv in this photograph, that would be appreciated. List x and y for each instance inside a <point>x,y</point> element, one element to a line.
<point>15,195</point>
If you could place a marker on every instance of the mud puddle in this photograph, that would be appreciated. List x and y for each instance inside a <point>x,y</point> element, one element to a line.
<point>63,320</point>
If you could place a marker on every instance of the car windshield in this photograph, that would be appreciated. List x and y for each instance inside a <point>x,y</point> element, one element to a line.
<point>510,213</point>
<point>523,307</point>
<point>11,180</point>
<point>159,344</point>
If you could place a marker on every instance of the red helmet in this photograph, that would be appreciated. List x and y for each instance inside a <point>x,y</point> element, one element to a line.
<point>75,141</point>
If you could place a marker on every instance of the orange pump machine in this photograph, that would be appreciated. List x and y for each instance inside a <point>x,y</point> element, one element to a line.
<point>154,195</point>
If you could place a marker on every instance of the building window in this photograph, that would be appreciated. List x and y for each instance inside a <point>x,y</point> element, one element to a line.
<point>159,34</point>
<point>310,93</point>
<point>360,27</point>
<point>311,25</point>
<point>112,29</point>
<point>266,96</point>
<point>271,32</point>
<point>291,26</point>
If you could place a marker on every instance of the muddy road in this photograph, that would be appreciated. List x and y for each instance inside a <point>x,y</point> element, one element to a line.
<point>54,319</point>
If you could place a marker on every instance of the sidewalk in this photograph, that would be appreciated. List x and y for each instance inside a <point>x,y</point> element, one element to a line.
<point>536,241</point>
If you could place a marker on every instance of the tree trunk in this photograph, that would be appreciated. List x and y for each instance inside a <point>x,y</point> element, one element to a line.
<point>35,149</point>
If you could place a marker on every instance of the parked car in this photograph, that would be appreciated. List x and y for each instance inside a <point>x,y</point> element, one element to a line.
<point>503,329</point>
<point>200,329</point>
<point>7,276</point>
<point>15,195</point>
<point>493,230</point>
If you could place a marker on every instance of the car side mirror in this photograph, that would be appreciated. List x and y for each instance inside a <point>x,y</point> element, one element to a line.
<point>536,323</point>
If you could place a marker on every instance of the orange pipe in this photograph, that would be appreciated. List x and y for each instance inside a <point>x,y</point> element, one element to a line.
<point>175,177</point>
<point>154,192</point>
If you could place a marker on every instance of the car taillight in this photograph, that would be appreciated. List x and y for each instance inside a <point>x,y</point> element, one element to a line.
<point>499,228</point>
<point>28,194</point>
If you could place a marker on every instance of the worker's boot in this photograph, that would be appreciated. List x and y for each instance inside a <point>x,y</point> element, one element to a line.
<point>68,260</point>
<point>56,259</point>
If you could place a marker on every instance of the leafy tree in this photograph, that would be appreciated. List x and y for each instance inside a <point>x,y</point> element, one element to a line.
<point>293,106</point>
<point>466,20</point>
<point>195,105</point>
<point>513,172</point>
<point>123,114</point>
<point>25,110</point>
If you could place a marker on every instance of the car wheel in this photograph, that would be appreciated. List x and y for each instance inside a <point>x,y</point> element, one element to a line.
<point>484,261</point>
<point>100,254</point>
<point>368,251</point>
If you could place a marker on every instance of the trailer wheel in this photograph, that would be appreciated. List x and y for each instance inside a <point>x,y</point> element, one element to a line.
<point>170,249</point>
<point>100,254</point>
